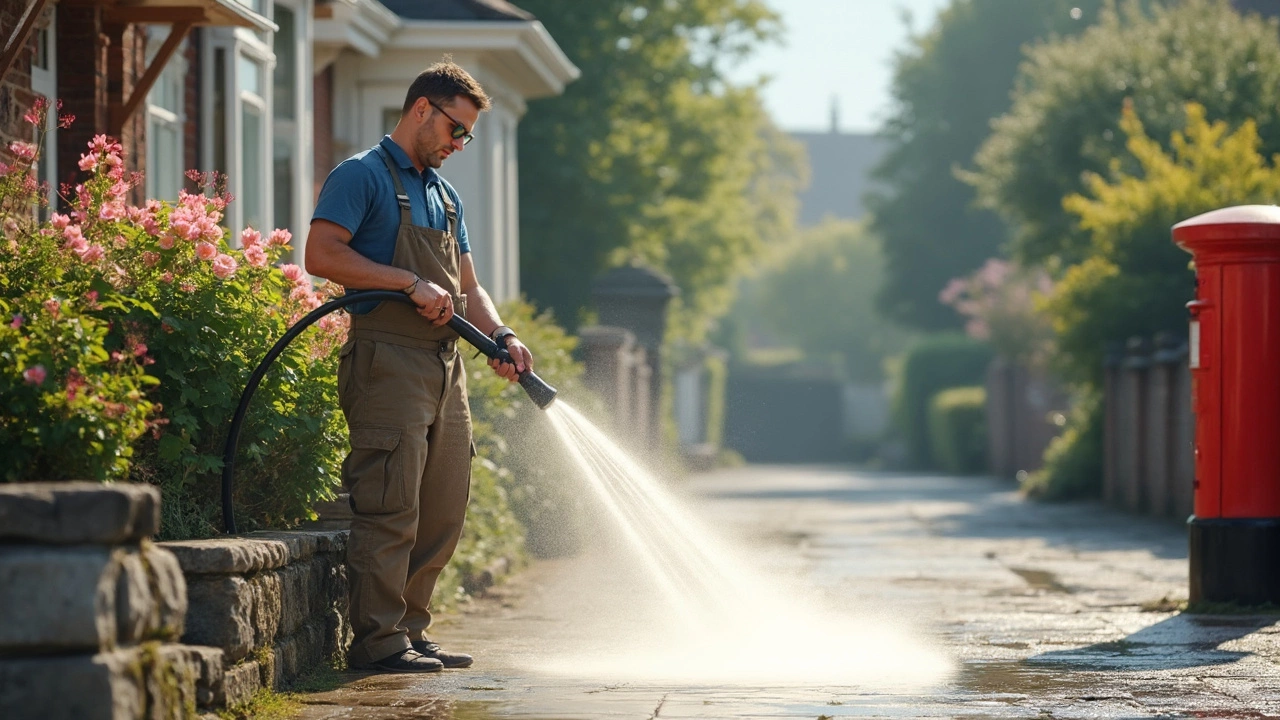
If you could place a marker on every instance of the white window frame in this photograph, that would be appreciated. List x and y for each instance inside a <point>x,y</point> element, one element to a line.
<point>174,76</point>
<point>297,132</point>
<point>240,43</point>
<point>44,81</point>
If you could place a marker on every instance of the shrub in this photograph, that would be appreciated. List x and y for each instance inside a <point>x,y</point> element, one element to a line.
<point>160,284</point>
<point>73,405</point>
<point>932,364</point>
<point>958,430</point>
<point>518,449</point>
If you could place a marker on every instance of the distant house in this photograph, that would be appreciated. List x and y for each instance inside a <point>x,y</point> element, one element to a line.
<point>840,167</point>
<point>274,93</point>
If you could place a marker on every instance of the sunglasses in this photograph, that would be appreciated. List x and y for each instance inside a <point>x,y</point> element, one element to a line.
<point>459,130</point>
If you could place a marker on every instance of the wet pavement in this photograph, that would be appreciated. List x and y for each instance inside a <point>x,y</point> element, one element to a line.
<point>1040,611</point>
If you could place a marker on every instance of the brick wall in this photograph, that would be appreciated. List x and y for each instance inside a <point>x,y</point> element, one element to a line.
<point>15,87</point>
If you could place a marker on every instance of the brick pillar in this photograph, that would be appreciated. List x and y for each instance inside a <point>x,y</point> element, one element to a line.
<point>82,81</point>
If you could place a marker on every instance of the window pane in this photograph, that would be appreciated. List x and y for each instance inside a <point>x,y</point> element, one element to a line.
<point>285,74</point>
<point>219,129</point>
<point>283,176</point>
<point>250,75</point>
<point>251,167</point>
<point>40,59</point>
<point>164,159</point>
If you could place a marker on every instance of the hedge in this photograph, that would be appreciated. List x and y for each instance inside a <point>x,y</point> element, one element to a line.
<point>933,364</point>
<point>958,430</point>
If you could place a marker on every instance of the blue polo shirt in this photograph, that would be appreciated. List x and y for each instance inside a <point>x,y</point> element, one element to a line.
<point>359,196</point>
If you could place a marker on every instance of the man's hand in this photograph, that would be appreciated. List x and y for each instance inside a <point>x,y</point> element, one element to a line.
<point>519,353</point>
<point>434,303</point>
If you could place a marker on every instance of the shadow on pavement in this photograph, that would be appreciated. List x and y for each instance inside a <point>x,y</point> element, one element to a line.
<point>1182,641</point>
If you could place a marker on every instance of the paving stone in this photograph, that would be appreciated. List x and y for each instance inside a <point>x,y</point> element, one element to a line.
<point>57,599</point>
<point>74,513</point>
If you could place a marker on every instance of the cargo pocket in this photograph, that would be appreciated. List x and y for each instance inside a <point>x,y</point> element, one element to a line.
<point>374,471</point>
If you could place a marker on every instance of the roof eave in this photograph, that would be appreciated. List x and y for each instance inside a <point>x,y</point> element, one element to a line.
<point>540,69</point>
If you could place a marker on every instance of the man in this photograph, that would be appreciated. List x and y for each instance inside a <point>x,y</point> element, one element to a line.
<point>385,220</point>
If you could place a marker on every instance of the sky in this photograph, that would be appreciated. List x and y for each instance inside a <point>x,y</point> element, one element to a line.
<point>841,48</point>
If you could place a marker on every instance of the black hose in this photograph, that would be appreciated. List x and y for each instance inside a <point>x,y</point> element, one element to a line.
<point>539,391</point>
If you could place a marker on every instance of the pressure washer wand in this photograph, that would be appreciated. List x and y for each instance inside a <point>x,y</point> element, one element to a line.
<point>539,391</point>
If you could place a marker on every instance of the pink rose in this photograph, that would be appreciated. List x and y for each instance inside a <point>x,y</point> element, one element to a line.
<point>53,306</point>
<point>206,251</point>
<point>187,287</point>
<point>17,321</point>
<point>280,236</point>
<point>140,349</point>
<point>60,221</point>
<point>150,259</point>
<point>73,233</point>
<point>34,375</point>
<point>88,162</point>
<point>255,256</point>
<point>293,273</point>
<point>166,241</point>
<point>167,277</point>
<point>224,266</point>
<point>250,237</point>
<point>93,253</point>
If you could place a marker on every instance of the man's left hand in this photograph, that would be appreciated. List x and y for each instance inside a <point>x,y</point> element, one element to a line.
<point>523,361</point>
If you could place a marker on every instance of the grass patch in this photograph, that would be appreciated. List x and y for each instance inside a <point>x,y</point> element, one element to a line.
<point>322,678</point>
<point>264,705</point>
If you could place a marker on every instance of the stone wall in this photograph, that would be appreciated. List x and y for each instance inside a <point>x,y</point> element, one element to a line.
<point>96,621</point>
<point>90,609</point>
<point>274,604</point>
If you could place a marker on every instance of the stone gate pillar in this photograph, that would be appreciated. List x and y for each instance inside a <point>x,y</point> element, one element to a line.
<point>636,298</point>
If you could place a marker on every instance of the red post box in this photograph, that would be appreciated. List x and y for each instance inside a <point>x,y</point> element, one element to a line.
<point>1235,371</point>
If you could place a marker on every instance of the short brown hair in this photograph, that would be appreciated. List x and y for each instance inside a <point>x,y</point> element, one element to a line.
<point>442,82</point>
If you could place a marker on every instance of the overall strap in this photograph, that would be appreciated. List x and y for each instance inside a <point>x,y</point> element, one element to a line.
<point>449,210</point>
<point>406,217</point>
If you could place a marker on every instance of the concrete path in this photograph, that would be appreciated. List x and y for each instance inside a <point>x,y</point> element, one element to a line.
<point>1040,611</point>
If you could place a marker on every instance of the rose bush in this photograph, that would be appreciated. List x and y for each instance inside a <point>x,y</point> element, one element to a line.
<point>124,319</point>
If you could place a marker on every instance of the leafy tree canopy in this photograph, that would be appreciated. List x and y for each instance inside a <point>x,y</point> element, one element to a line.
<point>651,155</point>
<point>948,85</point>
<point>1135,281</point>
<point>1065,119</point>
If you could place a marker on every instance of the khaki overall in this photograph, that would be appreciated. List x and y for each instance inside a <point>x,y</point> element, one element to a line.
<point>402,387</point>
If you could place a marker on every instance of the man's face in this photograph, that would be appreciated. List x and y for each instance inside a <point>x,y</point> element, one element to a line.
<point>434,141</point>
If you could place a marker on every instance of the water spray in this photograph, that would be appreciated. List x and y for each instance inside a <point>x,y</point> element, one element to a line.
<point>538,390</point>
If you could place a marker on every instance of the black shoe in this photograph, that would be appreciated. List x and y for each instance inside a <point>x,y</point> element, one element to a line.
<point>406,661</point>
<point>450,659</point>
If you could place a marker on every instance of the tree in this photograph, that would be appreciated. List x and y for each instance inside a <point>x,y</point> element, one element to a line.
<point>948,85</point>
<point>1065,118</point>
<point>1135,281</point>
<point>820,294</point>
<point>651,155</point>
